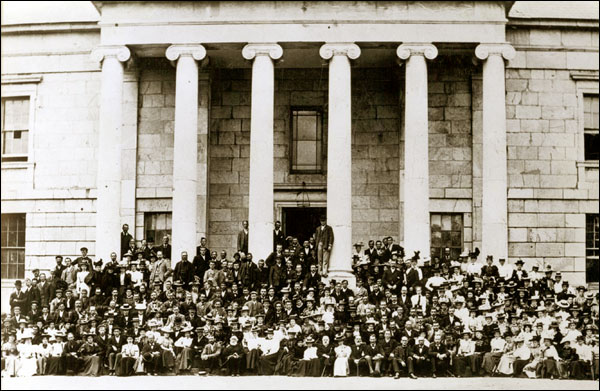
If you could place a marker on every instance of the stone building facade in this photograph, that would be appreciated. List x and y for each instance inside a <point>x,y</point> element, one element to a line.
<point>91,142</point>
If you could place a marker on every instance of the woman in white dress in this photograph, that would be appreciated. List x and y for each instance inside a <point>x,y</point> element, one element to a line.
<point>137,277</point>
<point>81,275</point>
<point>27,362</point>
<point>342,354</point>
<point>505,366</point>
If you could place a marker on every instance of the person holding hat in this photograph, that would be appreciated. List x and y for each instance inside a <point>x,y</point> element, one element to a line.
<point>130,352</point>
<point>183,350</point>
<point>151,354</point>
<point>71,353</point>
<point>210,355</point>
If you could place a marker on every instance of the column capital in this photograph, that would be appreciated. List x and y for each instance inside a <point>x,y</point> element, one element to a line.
<point>120,52</point>
<point>484,50</point>
<point>349,49</point>
<point>252,50</point>
<point>427,50</point>
<point>196,51</point>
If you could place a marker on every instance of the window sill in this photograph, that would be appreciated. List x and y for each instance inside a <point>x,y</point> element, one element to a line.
<point>588,163</point>
<point>16,165</point>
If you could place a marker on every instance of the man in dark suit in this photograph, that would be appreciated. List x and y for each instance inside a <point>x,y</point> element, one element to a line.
<point>394,248</point>
<point>490,270</point>
<point>374,354</point>
<point>277,274</point>
<point>165,247</point>
<point>420,358</point>
<point>113,350</point>
<point>18,298</point>
<point>184,270</point>
<point>125,239</point>
<point>440,356</point>
<point>278,237</point>
<point>242,239</point>
<point>324,241</point>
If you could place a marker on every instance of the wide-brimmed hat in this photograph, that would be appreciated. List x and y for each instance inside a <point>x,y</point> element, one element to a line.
<point>564,304</point>
<point>519,262</point>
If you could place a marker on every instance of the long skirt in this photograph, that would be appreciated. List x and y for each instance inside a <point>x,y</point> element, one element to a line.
<point>10,368</point>
<point>341,367</point>
<point>234,365</point>
<point>72,363</point>
<point>168,360</point>
<point>26,367</point>
<point>266,364</point>
<point>139,367</point>
<point>311,368</point>
<point>531,369</point>
<point>285,366</point>
<point>184,360</point>
<point>490,361</point>
<point>126,366</point>
<point>91,366</point>
<point>252,359</point>
<point>549,368</point>
<point>55,366</point>
<point>505,366</point>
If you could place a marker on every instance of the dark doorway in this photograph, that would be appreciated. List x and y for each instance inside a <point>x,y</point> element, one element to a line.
<point>301,223</point>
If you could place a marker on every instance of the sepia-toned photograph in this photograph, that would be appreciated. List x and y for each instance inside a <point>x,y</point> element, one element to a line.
<point>265,195</point>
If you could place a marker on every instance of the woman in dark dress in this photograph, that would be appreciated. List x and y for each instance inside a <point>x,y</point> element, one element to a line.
<point>90,356</point>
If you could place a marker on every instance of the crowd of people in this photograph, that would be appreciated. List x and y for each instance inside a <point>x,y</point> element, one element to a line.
<point>452,315</point>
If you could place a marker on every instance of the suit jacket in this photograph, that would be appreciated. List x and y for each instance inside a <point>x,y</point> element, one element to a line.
<point>125,238</point>
<point>392,277</point>
<point>184,271</point>
<point>324,236</point>
<point>166,250</point>
<point>277,275</point>
<point>373,351</point>
<point>19,299</point>
<point>160,270</point>
<point>242,241</point>
<point>278,238</point>
<point>441,349</point>
<point>115,346</point>
<point>419,351</point>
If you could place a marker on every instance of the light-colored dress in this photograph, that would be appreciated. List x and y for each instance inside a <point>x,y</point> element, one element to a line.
<point>505,366</point>
<point>340,366</point>
<point>81,281</point>
<point>26,363</point>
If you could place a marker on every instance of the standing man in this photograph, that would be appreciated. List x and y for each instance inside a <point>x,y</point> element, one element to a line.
<point>184,270</point>
<point>324,240</point>
<point>125,239</point>
<point>242,240</point>
<point>278,237</point>
<point>18,298</point>
<point>160,270</point>
<point>83,258</point>
<point>165,247</point>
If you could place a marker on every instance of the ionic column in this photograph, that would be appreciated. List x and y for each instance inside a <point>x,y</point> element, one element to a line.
<point>494,227</point>
<point>260,208</point>
<point>108,202</point>
<point>416,148</point>
<point>185,148</point>
<point>339,156</point>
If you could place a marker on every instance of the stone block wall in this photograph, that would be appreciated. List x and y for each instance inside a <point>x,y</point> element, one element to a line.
<point>547,200</point>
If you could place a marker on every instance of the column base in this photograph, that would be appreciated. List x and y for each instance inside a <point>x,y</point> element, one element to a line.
<point>340,275</point>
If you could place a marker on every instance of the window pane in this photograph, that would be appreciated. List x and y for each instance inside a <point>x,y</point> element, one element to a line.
<point>590,108</point>
<point>307,153</point>
<point>446,222</point>
<point>436,221</point>
<point>591,270</point>
<point>591,146</point>
<point>436,239</point>
<point>456,239</point>
<point>16,114</point>
<point>457,222</point>
<point>307,127</point>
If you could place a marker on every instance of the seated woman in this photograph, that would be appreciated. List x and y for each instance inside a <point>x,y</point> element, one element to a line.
<point>129,355</point>
<point>550,359</point>
<point>90,356</point>
<point>184,348</point>
<point>505,365</point>
<point>26,363</point>
<point>310,364</point>
<point>55,364</point>
<point>342,354</point>
<point>492,358</point>
<point>10,354</point>
<point>42,353</point>
<point>168,354</point>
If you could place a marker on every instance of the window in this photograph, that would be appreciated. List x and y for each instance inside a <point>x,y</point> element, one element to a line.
<point>591,247</point>
<point>15,129</point>
<point>157,225</point>
<point>590,126</point>
<point>446,231</point>
<point>306,154</point>
<point>13,245</point>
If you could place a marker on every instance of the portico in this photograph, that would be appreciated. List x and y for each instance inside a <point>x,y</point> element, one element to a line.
<point>412,36</point>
